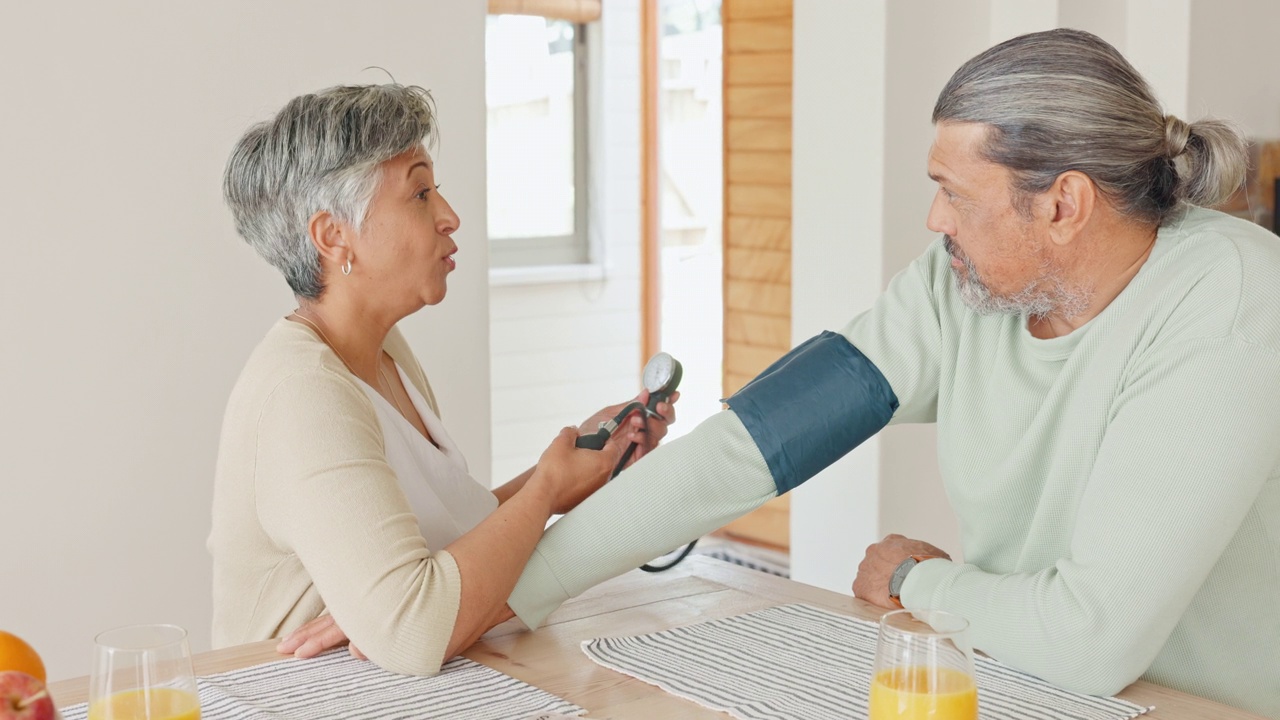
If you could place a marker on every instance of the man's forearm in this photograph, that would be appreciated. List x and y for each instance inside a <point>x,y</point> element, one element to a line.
<point>692,486</point>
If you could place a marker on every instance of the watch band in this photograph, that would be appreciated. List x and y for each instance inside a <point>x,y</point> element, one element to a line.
<point>899,576</point>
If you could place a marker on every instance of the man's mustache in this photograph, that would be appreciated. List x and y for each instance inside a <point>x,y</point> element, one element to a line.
<point>952,249</point>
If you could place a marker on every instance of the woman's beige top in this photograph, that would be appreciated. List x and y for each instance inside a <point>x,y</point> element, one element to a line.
<point>309,516</point>
<point>433,474</point>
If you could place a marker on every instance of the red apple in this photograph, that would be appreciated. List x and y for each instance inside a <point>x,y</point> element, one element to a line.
<point>23,697</point>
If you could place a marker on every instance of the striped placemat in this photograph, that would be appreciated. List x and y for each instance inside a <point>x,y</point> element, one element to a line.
<point>797,661</point>
<point>338,686</point>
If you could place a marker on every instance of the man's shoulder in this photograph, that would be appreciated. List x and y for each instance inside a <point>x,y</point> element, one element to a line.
<point>1238,261</point>
<point>1215,233</point>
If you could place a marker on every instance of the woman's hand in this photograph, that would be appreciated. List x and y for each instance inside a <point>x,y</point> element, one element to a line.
<point>646,433</point>
<point>314,637</point>
<point>568,474</point>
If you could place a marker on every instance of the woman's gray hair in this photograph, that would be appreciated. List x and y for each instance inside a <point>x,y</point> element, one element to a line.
<point>323,151</point>
<point>1065,100</point>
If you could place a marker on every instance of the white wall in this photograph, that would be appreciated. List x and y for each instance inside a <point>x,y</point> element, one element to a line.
<point>564,349</point>
<point>1010,18</point>
<point>1152,34</point>
<point>130,303</point>
<point>837,220</point>
<point>1233,71</point>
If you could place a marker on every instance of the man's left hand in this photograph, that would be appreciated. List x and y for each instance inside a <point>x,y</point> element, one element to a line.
<point>875,570</point>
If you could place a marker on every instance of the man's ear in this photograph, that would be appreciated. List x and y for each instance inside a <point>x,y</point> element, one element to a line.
<point>329,236</point>
<point>1072,197</point>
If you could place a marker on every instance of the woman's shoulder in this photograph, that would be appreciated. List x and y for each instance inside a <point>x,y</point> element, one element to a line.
<point>291,356</point>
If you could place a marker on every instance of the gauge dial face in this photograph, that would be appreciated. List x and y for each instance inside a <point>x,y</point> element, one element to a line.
<point>658,372</point>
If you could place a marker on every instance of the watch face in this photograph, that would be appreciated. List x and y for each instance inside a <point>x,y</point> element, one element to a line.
<point>900,576</point>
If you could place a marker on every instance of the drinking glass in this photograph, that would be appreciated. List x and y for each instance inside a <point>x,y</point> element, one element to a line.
<point>143,672</point>
<point>924,668</point>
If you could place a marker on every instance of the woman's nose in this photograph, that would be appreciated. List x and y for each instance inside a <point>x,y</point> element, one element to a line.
<point>447,220</point>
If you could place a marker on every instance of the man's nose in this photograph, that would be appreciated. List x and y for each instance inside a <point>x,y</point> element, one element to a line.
<point>939,218</point>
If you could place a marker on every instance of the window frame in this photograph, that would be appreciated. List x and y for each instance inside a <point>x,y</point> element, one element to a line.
<point>519,252</point>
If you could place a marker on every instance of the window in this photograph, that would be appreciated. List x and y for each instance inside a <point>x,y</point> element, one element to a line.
<point>535,86</point>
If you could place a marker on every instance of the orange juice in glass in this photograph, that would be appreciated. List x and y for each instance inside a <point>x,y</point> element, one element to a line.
<point>143,672</point>
<point>923,668</point>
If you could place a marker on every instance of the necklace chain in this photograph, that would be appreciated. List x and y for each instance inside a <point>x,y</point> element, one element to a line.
<point>298,314</point>
<point>382,372</point>
<point>391,388</point>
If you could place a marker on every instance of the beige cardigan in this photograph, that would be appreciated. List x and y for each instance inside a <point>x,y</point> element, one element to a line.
<point>308,516</point>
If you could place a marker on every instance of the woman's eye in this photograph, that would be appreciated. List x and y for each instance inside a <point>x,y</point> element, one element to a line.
<point>422,194</point>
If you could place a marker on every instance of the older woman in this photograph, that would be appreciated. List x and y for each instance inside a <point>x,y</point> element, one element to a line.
<point>337,488</point>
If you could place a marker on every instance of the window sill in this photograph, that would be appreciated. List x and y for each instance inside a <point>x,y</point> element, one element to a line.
<point>544,274</point>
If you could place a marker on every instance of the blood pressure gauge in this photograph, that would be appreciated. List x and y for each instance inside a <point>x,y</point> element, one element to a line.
<point>661,377</point>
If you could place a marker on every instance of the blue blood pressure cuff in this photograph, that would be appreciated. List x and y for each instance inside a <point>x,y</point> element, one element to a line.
<point>812,406</point>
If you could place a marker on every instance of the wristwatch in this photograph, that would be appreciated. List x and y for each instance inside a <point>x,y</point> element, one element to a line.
<point>900,576</point>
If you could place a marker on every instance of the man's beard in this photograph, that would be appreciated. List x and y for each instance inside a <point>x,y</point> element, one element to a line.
<point>1048,294</point>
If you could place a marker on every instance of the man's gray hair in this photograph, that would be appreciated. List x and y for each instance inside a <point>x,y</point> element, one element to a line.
<point>323,151</point>
<point>1065,100</point>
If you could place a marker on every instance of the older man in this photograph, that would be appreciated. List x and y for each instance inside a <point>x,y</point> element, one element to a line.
<point>1102,357</point>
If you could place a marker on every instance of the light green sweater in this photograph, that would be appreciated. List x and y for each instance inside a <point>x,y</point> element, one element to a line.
<point>1118,489</point>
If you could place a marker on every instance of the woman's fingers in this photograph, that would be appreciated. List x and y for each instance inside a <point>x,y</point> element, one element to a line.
<point>312,638</point>
<point>326,639</point>
<point>291,642</point>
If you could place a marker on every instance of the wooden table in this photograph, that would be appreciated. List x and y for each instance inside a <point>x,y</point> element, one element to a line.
<point>698,589</point>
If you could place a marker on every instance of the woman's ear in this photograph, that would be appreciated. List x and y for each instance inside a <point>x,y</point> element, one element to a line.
<point>1074,197</point>
<point>329,235</point>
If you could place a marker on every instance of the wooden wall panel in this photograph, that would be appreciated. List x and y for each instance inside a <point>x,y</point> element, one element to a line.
<point>757,36</point>
<point>759,101</point>
<point>759,298</point>
<point>771,266</point>
<point>761,330</point>
<point>747,359</point>
<point>735,10</point>
<point>766,201</point>
<point>759,168</point>
<point>758,232</point>
<point>757,224</point>
<point>756,69</point>
<point>757,134</point>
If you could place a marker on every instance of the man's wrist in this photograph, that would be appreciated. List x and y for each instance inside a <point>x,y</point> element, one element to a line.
<point>899,576</point>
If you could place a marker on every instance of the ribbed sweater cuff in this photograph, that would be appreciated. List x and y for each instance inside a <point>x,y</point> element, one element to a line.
<point>538,593</point>
<point>923,582</point>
